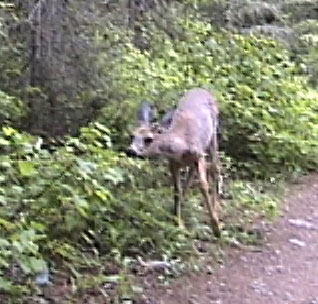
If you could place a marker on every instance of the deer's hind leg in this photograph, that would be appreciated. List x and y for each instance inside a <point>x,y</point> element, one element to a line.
<point>215,174</point>
<point>189,180</point>
<point>211,204</point>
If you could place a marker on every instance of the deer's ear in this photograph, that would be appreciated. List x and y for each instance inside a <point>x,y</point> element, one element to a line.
<point>167,119</point>
<point>147,113</point>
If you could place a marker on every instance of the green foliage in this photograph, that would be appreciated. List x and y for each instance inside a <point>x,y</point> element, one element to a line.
<point>79,205</point>
<point>249,203</point>
<point>307,31</point>
<point>86,204</point>
<point>268,111</point>
<point>11,109</point>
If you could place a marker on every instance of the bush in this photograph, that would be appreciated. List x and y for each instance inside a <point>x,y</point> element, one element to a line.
<point>77,208</point>
<point>11,109</point>
<point>86,204</point>
<point>268,111</point>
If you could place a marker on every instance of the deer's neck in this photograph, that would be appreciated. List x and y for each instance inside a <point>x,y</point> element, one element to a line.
<point>169,145</point>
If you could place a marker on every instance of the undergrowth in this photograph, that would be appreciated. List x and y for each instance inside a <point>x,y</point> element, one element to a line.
<point>85,212</point>
<point>79,217</point>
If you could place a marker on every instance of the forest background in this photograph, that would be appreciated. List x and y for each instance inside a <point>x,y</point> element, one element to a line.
<point>72,76</point>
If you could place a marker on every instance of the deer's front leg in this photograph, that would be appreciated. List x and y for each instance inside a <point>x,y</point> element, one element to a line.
<point>189,180</point>
<point>210,204</point>
<point>178,198</point>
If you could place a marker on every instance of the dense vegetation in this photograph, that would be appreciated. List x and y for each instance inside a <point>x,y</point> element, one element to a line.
<point>77,206</point>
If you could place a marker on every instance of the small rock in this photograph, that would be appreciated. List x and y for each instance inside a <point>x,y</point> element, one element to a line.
<point>202,247</point>
<point>280,269</point>
<point>170,292</point>
<point>243,259</point>
<point>268,270</point>
<point>155,264</point>
<point>193,300</point>
<point>299,223</point>
<point>145,300</point>
<point>273,269</point>
<point>288,296</point>
<point>42,279</point>
<point>297,242</point>
<point>209,270</point>
<point>261,288</point>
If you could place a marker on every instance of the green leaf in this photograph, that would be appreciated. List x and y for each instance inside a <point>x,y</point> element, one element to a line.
<point>80,202</point>
<point>4,243</point>
<point>5,284</point>
<point>4,142</point>
<point>27,168</point>
<point>7,131</point>
<point>37,265</point>
<point>112,279</point>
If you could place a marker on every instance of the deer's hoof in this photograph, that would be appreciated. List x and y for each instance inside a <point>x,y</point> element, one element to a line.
<point>217,227</point>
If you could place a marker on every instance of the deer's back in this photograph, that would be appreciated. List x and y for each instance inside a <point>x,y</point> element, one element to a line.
<point>196,119</point>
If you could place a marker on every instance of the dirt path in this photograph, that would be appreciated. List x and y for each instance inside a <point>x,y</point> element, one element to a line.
<point>282,272</point>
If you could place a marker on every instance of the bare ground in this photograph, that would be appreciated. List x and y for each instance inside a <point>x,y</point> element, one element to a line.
<point>283,271</point>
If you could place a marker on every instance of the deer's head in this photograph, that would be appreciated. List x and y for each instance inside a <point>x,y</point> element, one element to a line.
<point>144,135</point>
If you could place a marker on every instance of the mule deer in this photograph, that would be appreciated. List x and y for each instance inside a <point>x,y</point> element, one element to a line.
<point>185,142</point>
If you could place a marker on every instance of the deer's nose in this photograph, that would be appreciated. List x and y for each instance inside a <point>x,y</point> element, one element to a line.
<point>131,152</point>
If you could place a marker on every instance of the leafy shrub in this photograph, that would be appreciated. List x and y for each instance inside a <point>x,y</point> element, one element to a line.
<point>84,205</point>
<point>306,49</point>
<point>249,203</point>
<point>78,206</point>
<point>87,204</point>
<point>268,111</point>
<point>11,109</point>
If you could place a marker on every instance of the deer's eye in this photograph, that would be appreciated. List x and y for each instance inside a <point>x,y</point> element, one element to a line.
<point>148,140</point>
